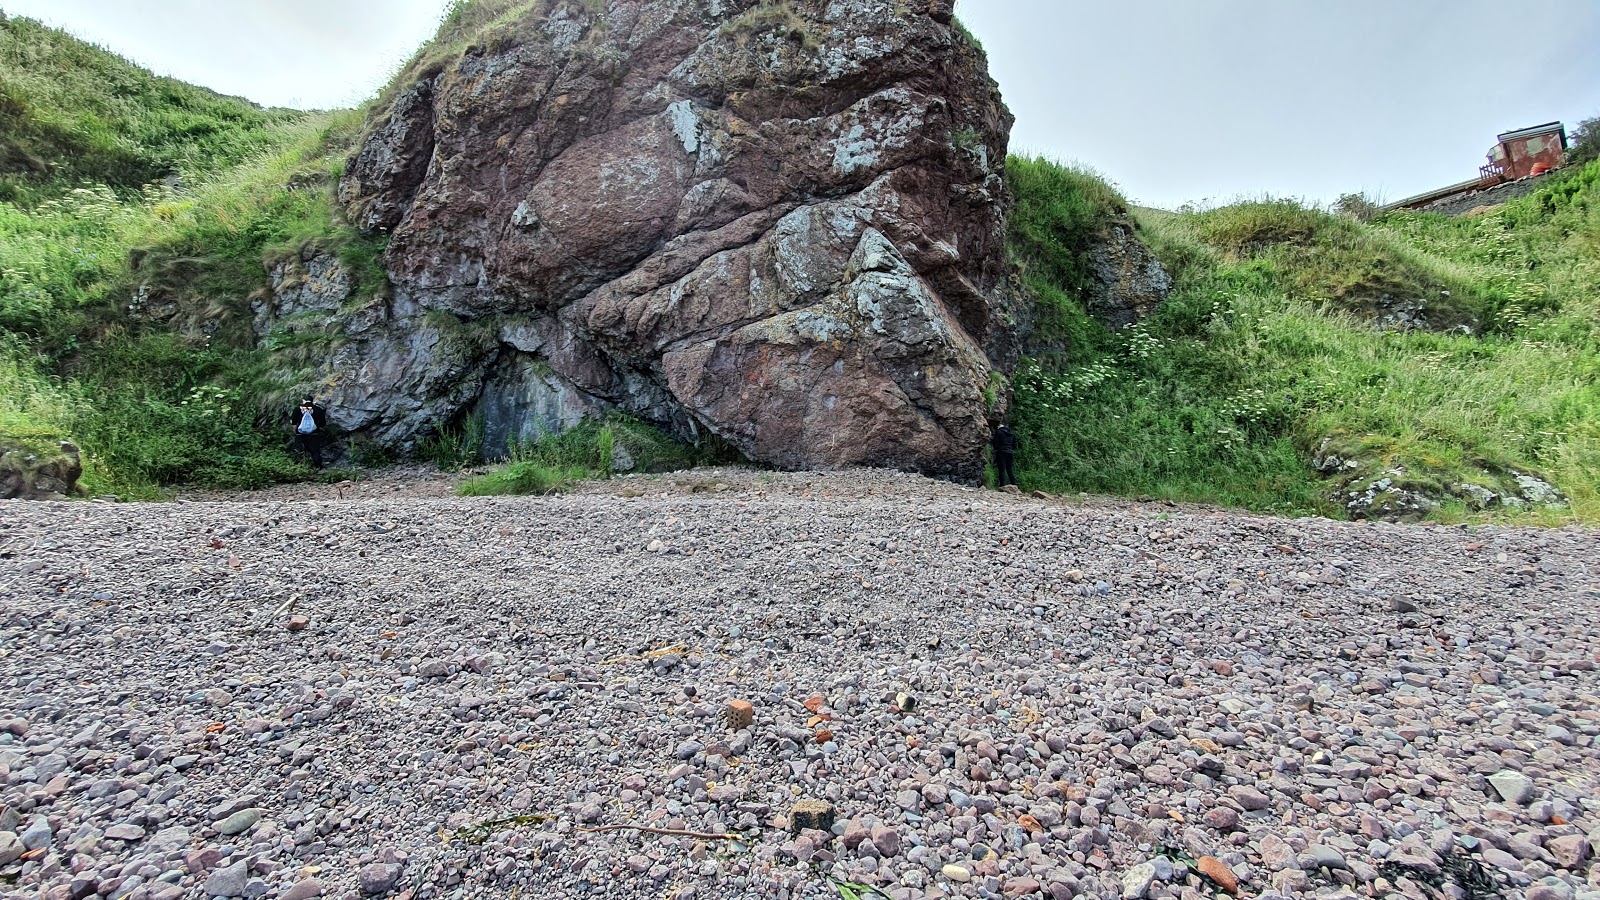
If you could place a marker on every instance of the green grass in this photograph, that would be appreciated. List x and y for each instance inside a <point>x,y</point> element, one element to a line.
<point>71,112</point>
<point>1257,360</point>
<point>184,396</point>
<point>522,478</point>
<point>1058,211</point>
<point>1342,265</point>
<point>585,451</point>
<point>175,389</point>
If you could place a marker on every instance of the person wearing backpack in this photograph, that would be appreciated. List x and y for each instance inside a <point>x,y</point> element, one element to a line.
<point>1005,455</point>
<point>310,428</point>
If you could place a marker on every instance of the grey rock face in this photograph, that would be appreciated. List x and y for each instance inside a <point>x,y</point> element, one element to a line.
<point>1386,499</point>
<point>25,475</point>
<point>1368,490</point>
<point>1127,283</point>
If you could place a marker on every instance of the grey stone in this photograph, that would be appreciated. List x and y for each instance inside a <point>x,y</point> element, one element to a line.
<point>37,834</point>
<point>303,890</point>
<point>1512,786</point>
<point>1550,889</point>
<point>239,822</point>
<point>170,839</point>
<point>228,882</point>
<point>1570,851</point>
<point>127,833</point>
<point>1321,856</point>
<point>1137,880</point>
<point>10,848</point>
<point>378,878</point>
<point>1248,798</point>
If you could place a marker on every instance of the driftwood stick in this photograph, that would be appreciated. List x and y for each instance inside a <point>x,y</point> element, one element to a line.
<point>285,609</point>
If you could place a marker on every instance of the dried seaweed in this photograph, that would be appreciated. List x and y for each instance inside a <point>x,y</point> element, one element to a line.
<point>1459,869</point>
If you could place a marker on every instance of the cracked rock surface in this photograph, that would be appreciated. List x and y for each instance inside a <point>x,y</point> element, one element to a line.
<point>997,696</point>
<point>781,224</point>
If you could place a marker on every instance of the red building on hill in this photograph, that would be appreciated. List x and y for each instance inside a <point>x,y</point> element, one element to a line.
<point>1517,158</point>
<point>1528,151</point>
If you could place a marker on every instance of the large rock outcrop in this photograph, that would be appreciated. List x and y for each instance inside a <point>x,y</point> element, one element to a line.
<point>1126,281</point>
<point>780,223</point>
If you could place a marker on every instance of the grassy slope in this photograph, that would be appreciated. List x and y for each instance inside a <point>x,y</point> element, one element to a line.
<point>1258,358</point>
<point>71,113</point>
<point>151,402</point>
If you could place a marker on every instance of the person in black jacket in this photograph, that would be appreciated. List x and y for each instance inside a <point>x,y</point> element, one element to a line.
<point>1005,455</point>
<point>310,424</point>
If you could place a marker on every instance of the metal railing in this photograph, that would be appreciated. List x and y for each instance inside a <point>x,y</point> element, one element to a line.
<point>1493,173</point>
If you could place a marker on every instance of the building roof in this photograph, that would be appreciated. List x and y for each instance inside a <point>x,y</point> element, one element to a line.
<point>1535,131</point>
<point>1430,196</point>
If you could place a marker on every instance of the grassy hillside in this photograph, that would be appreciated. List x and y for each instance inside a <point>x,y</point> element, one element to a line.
<point>92,218</point>
<point>1269,357</point>
<point>72,113</point>
<point>1301,356</point>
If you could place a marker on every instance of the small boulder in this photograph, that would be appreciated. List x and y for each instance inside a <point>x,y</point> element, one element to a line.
<point>1512,786</point>
<point>228,882</point>
<point>378,878</point>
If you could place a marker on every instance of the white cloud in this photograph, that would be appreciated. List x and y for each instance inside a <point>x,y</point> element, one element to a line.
<point>302,53</point>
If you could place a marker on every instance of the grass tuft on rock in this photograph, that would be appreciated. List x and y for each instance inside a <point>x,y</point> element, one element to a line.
<point>523,478</point>
<point>593,449</point>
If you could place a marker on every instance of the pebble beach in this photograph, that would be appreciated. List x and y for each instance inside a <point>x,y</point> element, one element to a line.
<point>379,689</point>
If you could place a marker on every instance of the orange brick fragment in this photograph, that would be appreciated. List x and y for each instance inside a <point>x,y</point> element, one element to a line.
<point>815,703</point>
<point>739,714</point>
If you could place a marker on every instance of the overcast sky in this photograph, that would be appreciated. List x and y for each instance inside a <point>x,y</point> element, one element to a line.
<point>1174,100</point>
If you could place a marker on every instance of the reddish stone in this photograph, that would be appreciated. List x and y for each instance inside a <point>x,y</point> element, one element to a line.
<point>1219,874</point>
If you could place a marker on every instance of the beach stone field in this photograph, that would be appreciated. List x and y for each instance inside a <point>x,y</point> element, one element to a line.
<point>734,684</point>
